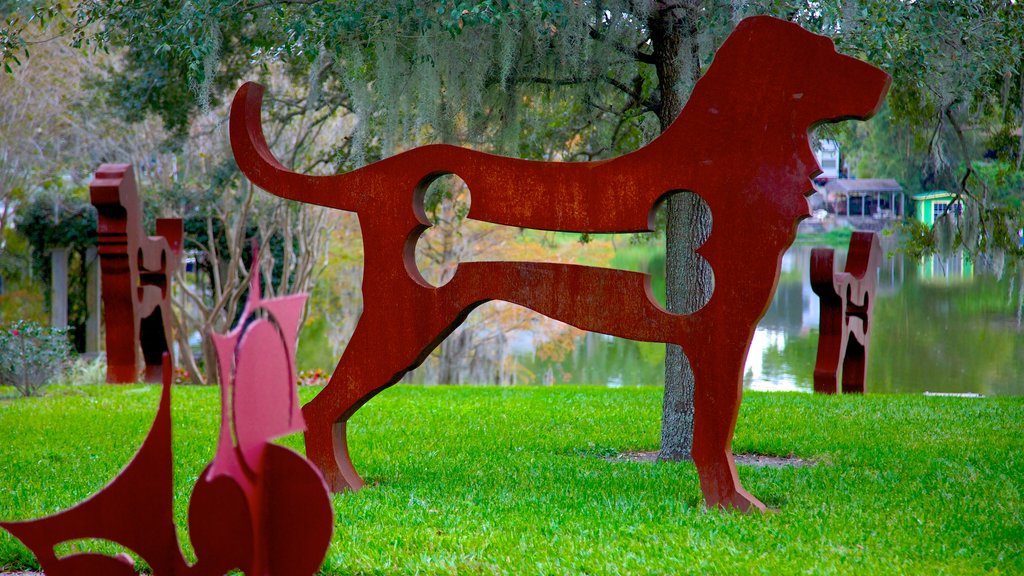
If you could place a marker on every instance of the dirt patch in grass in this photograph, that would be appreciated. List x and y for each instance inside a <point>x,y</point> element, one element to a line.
<point>758,460</point>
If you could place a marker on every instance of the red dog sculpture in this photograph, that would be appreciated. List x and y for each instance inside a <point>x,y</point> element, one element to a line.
<point>740,143</point>
<point>136,275</point>
<point>847,299</point>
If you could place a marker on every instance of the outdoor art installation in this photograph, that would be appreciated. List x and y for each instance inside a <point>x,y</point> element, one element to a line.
<point>741,143</point>
<point>136,273</point>
<point>846,301</point>
<point>258,507</point>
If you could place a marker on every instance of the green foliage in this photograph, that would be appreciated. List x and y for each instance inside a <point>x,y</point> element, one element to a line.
<point>890,147</point>
<point>23,302</point>
<point>517,77</point>
<point>484,72</point>
<point>957,69</point>
<point>32,356</point>
<point>56,217</point>
<point>1004,182</point>
<point>314,349</point>
<point>916,238</point>
<point>1004,145</point>
<point>456,483</point>
<point>22,294</point>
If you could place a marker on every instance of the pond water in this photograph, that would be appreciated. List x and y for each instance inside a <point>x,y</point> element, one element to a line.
<point>938,327</point>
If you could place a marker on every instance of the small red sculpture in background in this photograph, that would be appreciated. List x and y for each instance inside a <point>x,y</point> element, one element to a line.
<point>258,507</point>
<point>136,275</point>
<point>847,299</point>
<point>741,144</point>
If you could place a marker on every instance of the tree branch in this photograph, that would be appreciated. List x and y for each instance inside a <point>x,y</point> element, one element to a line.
<point>269,3</point>
<point>554,81</point>
<point>636,54</point>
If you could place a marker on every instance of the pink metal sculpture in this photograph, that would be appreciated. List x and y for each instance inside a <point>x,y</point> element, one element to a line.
<point>258,507</point>
<point>136,275</point>
<point>846,302</point>
<point>740,143</point>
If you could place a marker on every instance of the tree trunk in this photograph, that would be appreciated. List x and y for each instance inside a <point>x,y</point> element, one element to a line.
<point>1020,148</point>
<point>688,284</point>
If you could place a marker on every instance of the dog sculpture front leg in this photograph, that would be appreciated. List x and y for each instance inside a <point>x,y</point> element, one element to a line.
<point>718,375</point>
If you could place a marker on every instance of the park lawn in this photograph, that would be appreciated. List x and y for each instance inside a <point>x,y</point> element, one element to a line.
<point>835,238</point>
<point>515,480</point>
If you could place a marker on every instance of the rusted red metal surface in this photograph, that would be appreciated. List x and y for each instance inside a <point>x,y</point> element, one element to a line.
<point>136,272</point>
<point>847,299</point>
<point>741,143</point>
<point>258,507</point>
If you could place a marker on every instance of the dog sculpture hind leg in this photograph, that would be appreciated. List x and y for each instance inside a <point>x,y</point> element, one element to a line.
<point>740,143</point>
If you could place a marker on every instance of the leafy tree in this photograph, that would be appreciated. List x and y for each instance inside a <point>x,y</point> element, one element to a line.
<point>470,72</point>
<point>66,111</point>
<point>958,82</point>
<point>55,128</point>
<point>225,219</point>
<point>52,219</point>
<point>595,78</point>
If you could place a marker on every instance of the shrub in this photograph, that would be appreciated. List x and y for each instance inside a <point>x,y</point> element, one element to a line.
<point>32,356</point>
<point>84,371</point>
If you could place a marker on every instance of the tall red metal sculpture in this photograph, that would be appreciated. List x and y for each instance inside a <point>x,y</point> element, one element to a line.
<point>847,299</point>
<point>741,144</point>
<point>136,275</point>
<point>258,507</point>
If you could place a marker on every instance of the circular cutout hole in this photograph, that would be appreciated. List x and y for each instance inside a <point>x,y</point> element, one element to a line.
<point>693,279</point>
<point>448,241</point>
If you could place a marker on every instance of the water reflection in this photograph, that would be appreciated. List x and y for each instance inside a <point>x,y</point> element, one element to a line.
<point>938,327</point>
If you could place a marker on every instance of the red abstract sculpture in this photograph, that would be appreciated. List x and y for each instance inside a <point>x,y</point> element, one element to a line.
<point>846,302</point>
<point>258,507</point>
<point>740,143</point>
<point>136,275</point>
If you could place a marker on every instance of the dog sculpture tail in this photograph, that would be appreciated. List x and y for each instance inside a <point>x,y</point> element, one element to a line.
<point>263,169</point>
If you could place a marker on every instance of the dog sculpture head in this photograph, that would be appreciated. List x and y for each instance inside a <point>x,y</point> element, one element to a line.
<point>802,71</point>
<point>799,80</point>
<point>770,83</point>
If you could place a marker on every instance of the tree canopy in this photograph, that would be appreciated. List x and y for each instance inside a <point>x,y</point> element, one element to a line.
<point>352,82</point>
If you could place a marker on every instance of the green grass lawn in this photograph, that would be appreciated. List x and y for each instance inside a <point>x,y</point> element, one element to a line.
<point>835,238</point>
<point>511,480</point>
